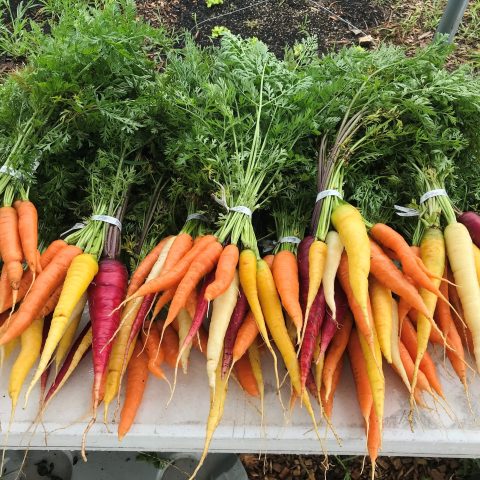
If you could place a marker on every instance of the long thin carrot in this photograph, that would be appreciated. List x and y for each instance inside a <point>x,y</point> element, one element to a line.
<point>28,231</point>
<point>155,351</point>
<point>45,284</point>
<point>244,373</point>
<point>143,269</point>
<point>137,375</point>
<point>227,264</point>
<point>247,334</point>
<point>374,439</point>
<point>327,402</point>
<point>169,343</point>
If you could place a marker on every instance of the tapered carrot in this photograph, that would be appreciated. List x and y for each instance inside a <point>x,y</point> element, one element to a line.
<point>381,298</point>
<point>409,339</point>
<point>303,267</point>
<point>143,269</point>
<point>409,365</point>
<point>169,343</point>
<point>335,352</point>
<point>327,402</point>
<point>244,373</point>
<point>28,232</point>
<point>154,350</point>
<point>227,264</point>
<point>360,375</point>
<point>50,279</point>
<point>246,335</point>
<point>201,266</point>
<point>285,274</point>
<point>364,324</point>
<point>171,276</point>
<point>374,439</point>
<point>10,247</point>
<point>137,376</point>
<point>268,259</point>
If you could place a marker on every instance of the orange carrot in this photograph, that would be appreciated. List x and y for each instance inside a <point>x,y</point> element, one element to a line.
<point>374,439</point>
<point>268,259</point>
<point>363,324</point>
<point>409,365</point>
<point>137,375</point>
<point>10,247</point>
<point>51,252</point>
<point>227,264</point>
<point>359,371</point>
<point>51,303</point>
<point>201,266</point>
<point>28,232</point>
<point>327,402</point>
<point>285,274</point>
<point>246,335</point>
<point>164,298</point>
<point>172,275</point>
<point>143,269</point>
<point>335,352</point>
<point>50,279</point>
<point>409,339</point>
<point>5,289</point>
<point>245,376</point>
<point>169,344</point>
<point>155,353</point>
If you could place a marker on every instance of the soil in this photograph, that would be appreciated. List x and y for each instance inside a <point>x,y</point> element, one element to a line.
<point>278,23</point>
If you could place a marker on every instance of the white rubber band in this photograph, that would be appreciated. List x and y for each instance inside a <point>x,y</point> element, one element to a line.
<point>241,209</point>
<point>11,171</point>
<point>328,193</point>
<point>438,192</point>
<point>108,219</point>
<point>406,211</point>
<point>77,226</point>
<point>196,216</point>
<point>294,240</point>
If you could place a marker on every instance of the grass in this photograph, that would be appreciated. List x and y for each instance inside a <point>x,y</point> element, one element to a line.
<point>415,22</point>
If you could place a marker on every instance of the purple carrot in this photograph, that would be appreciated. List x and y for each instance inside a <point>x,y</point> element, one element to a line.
<point>330,326</point>
<point>472,221</point>
<point>314,323</point>
<point>311,385</point>
<point>105,294</point>
<point>44,378</point>
<point>200,311</point>
<point>67,362</point>
<point>238,316</point>
<point>303,276</point>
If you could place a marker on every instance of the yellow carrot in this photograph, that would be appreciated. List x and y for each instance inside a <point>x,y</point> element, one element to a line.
<point>80,274</point>
<point>476,256</point>
<point>184,323</point>
<point>69,335</point>
<point>255,362</point>
<point>349,224</point>
<point>381,298</point>
<point>395,347</point>
<point>334,254</point>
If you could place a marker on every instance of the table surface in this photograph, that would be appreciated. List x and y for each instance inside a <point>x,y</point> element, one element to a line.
<point>181,426</point>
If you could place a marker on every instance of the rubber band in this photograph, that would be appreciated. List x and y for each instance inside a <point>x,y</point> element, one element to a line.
<point>222,201</point>
<point>196,216</point>
<point>11,171</point>
<point>406,211</point>
<point>438,192</point>
<point>108,219</point>
<point>241,209</point>
<point>294,240</point>
<point>77,226</point>
<point>328,193</point>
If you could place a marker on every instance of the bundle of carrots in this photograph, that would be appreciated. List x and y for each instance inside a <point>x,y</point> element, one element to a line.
<point>244,127</point>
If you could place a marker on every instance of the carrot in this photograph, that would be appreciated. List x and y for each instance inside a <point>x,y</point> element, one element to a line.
<point>411,265</point>
<point>184,321</point>
<point>409,365</point>
<point>169,344</point>
<point>317,254</point>
<point>28,232</point>
<point>458,319</point>
<point>270,304</point>
<point>409,339</point>
<point>137,376</point>
<point>335,352</point>
<point>80,274</point>
<point>460,256</point>
<point>10,247</point>
<point>385,271</point>
<point>51,252</point>
<point>45,284</point>
<point>227,264</point>
<point>363,323</point>
<point>476,257</point>
<point>360,375</point>
<point>433,255</point>
<point>381,298</point>
<point>172,276</point>
<point>143,269</point>
<point>374,439</point>
<point>164,299</point>
<point>238,316</point>
<point>155,352</point>
<point>316,314</point>
<point>255,362</point>
<point>5,289</point>
<point>303,267</point>
<point>327,402</point>
<point>285,274</point>
<point>250,279</point>
<point>245,376</point>
<point>396,357</point>
<point>349,224</point>
<point>334,254</point>
<point>223,307</point>
<point>247,334</point>
<point>203,264</point>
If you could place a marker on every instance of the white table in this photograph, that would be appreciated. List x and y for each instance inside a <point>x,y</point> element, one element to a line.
<point>181,427</point>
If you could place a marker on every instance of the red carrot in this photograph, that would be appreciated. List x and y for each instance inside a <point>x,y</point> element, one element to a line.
<point>303,276</point>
